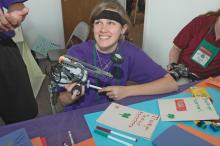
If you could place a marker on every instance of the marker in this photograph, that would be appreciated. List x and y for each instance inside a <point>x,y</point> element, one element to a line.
<point>112,138</point>
<point>71,138</point>
<point>88,85</point>
<point>116,133</point>
<point>95,87</point>
<point>65,144</point>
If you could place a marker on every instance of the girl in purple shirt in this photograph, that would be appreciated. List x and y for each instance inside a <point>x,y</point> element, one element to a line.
<point>110,22</point>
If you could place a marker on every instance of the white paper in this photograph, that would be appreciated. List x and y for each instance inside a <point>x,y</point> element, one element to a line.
<point>129,120</point>
<point>187,109</point>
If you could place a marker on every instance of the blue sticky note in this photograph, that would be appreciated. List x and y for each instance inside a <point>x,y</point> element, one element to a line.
<point>175,136</point>
<point>16,138</point>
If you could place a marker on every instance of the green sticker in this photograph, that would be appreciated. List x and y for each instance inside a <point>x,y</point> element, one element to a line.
<point>171,116</point>
<point>125,115</point>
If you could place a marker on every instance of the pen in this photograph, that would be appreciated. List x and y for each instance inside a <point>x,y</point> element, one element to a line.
<point>116,133</point>
<point>71,138</point>
<point>112,138</point>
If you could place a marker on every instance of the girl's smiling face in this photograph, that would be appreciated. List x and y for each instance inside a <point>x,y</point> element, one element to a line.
<point>107,33</point>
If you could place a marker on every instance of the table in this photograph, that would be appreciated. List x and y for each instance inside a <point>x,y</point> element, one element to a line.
<point>55,127</point>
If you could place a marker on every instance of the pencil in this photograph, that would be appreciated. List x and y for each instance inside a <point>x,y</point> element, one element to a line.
<point>112,137</point>
<point>116,133</point>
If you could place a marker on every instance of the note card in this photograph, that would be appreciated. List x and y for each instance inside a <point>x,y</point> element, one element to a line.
<point>129,120</point>
<point>185,109</point>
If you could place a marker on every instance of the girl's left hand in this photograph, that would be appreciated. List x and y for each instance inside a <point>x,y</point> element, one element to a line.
<point>115,92</point>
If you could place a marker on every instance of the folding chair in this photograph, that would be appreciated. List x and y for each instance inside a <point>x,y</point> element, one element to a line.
<point>81,32</point>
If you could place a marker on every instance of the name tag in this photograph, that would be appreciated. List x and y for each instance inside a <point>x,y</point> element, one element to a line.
<point>205,53</point>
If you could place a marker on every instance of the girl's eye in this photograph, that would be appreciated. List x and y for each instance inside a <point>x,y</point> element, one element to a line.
<point>97,22</point>
<point>111,22</point>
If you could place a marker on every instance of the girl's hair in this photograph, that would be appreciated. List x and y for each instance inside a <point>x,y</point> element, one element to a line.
<point>213,13</point>
<point>110,5</point>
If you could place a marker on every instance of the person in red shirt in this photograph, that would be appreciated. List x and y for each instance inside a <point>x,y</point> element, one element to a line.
<point>197,46</point>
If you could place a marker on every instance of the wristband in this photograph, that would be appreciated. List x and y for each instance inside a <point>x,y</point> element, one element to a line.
<point>170,66</point>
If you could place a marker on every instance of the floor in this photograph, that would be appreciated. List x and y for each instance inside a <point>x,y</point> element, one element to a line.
<point>43,97</point>
<point>46,104</point>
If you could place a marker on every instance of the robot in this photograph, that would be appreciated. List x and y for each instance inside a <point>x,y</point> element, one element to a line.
<point>69,70</point>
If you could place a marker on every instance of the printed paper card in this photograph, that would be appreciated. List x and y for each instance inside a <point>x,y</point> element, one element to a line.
<point>16,138</point>
<point>186,109</point>
<point>129,120</point>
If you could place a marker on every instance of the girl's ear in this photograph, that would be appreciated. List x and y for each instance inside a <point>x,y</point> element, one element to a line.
<point>124,29</point>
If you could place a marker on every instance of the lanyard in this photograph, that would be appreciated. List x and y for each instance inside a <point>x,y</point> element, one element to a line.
<point>117,81</point>
<point>98,83</point>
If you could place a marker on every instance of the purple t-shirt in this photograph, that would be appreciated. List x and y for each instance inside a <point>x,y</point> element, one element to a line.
<point>137,67</point>
<point>6,4</point>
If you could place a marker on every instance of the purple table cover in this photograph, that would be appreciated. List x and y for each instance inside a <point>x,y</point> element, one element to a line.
<point>55,127</point>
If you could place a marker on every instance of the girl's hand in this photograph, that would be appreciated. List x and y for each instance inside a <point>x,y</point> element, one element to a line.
<point>71,95</point>
<point>115,92</point>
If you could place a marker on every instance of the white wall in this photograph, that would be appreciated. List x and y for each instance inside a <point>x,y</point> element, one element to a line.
<point>123,3</point>
<point>45,19</point>
<point>165,18</point>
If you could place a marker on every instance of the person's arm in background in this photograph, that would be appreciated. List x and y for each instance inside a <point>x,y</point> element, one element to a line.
<point>182,40</point>
<point>174,54</point>
<point>13,18</point>
<point>163,85</point>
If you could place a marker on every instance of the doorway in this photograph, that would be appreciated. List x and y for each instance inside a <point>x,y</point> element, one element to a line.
<point>136,10</point>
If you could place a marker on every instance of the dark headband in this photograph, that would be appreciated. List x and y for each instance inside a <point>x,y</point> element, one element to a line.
<point>111,15</point>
